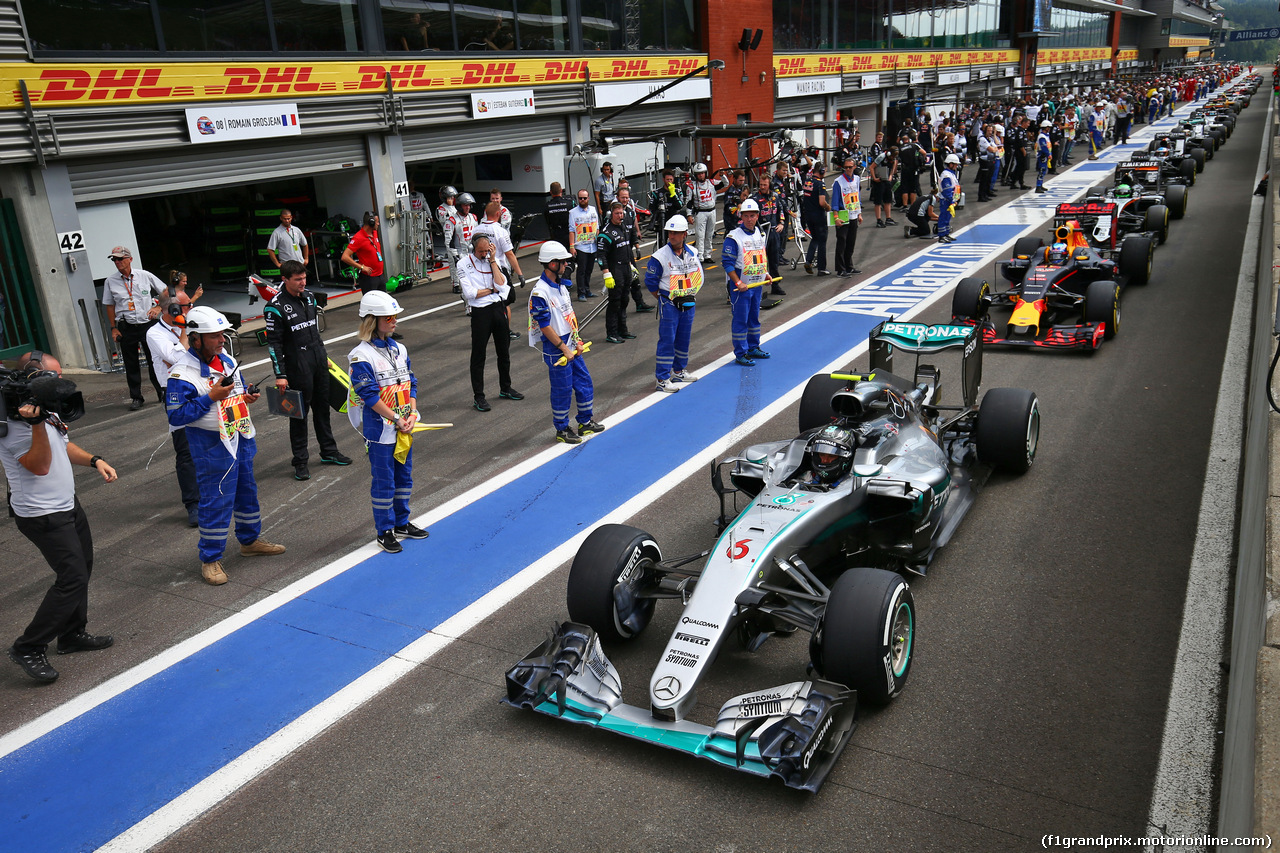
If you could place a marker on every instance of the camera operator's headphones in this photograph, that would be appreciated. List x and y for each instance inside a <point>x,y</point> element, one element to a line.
<point>33,367</point>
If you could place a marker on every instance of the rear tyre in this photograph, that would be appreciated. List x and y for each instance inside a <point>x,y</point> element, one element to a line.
<point>1176,197</point>
<point>1136,254</point>
<point>866,639</point>
<point>1007,431</point>
<point>1102,305</point>
<point>1188,169</point>
<point>815,402</point>
<point>1198,155</point>
<point>611,565</point>
<point>968,302</point>
<point>1157,221</point>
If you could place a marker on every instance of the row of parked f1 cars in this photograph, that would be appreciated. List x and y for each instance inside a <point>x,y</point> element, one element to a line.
<point>878,479</point>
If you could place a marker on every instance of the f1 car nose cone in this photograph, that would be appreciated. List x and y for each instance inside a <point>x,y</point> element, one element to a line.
<point>667,688</point>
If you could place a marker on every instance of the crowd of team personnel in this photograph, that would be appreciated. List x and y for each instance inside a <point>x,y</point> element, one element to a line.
<point>760,210</point>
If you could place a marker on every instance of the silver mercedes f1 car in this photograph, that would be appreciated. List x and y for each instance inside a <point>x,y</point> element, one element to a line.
<point>878,479</point>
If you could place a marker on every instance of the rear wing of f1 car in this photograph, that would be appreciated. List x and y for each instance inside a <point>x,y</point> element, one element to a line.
<point>926,339</point>
<point>1097,219</point>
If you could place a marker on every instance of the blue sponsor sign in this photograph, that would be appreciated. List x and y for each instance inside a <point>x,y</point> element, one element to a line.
<point>1255,35</point>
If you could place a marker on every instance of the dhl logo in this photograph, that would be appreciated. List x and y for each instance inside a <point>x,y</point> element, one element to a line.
<point>488,73</point>
<point>270,80</point>
<point>71,84</point>
<point>568,70</point>
<point>624,68</point>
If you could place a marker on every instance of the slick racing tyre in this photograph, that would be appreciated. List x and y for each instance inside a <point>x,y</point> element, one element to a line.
<point>611,567</point>
<point>815,402</point>
<point>1188,170</point>
<point>866,639</point>
<point>1136,255</point>
<point>1007,431</point>
<point>1176,197</point>
<point>1199,156</point>
<point>969,301</point>
<point>1026,247</point>
<point>1102,305</point>
<point>1157,222</point>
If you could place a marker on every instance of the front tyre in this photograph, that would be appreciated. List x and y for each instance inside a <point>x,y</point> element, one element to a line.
<point>969,301</point>
<point>612,566</point>
<point>1176,197</point>
<point>1007,431</point>
<point>1157,221</point>
<point>1102,305</point>
<point>1136,255</point>
<point>866,639</point>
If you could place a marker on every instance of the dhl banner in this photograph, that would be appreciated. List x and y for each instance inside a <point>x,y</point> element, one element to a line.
<point>1059,55</point>
<point>1187,41</point>
<point>94,84</point>
<point>811,64</point>
<point>1126,55</point>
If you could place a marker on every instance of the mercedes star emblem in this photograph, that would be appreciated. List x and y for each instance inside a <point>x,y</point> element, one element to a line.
<point>668,687</point>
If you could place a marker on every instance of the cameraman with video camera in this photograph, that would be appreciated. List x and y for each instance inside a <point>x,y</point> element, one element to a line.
<point>37,456</point>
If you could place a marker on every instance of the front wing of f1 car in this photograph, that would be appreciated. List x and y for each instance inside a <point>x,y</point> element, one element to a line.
<point>793,732</point>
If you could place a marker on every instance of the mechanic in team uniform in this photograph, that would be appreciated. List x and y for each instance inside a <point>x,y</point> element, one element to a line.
<point>557,214</point>
<point>815,205</point>
<point>613,253</point>
<point>773,212</point>
<point>207,395</point>
<point>300,362</point>
<point>733,196</point>
<point>458,237</point>
<point>746,268</point>
<point>705,189</point>
<point>554,326</point>
<point>921,213</point>
<point>631,222</point>
<point>674,275</point>
<point>1044,154</point>
<point>948,193</point>
<point>383,407</point>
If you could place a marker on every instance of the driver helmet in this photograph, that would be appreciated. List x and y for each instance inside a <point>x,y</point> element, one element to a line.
<point>831,452</point>
<point>1123,191</point>
<point>1058,253</point>
<point>1162,151</point>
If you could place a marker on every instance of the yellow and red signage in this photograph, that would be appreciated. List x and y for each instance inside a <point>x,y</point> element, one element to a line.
<point>1126,55</point>
<point>1059,55</point>
<point>1187,41</point>
<point>97,83</point>
<point>811,64</point>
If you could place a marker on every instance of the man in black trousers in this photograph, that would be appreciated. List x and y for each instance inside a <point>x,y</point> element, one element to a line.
<point>300,362</point>
<point>485,288</point>
<point>37,456</point>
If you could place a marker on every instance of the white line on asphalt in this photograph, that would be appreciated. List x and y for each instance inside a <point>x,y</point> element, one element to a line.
<point>1182,796</point>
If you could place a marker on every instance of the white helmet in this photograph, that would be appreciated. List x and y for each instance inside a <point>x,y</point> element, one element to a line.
<point>553,251</point>
<point>953,160</point>
<point>378,304</point>
<point>677,223</point>
<point>205,321</point>
<point>749,206</point>
<point>1046,124</point>
<point>700,169</point>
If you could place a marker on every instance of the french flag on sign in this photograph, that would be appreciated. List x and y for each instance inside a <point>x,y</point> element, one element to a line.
<point>291,119</point>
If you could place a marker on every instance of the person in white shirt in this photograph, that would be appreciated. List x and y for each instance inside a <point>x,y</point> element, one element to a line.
<point>167,341</point>
<point>504,215</point>
<point>704,205</point>
<point>287,243</point>
<point>485,287</point>
<point>134,299</point>
<point>584,225</point>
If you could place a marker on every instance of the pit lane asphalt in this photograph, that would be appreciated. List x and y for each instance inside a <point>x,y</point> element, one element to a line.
<point>1048,625</point>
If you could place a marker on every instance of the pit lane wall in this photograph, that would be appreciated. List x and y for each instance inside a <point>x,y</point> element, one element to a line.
<point>1266,775</point>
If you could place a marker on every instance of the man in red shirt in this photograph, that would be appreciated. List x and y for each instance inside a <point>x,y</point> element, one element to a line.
<point>364,252</point>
